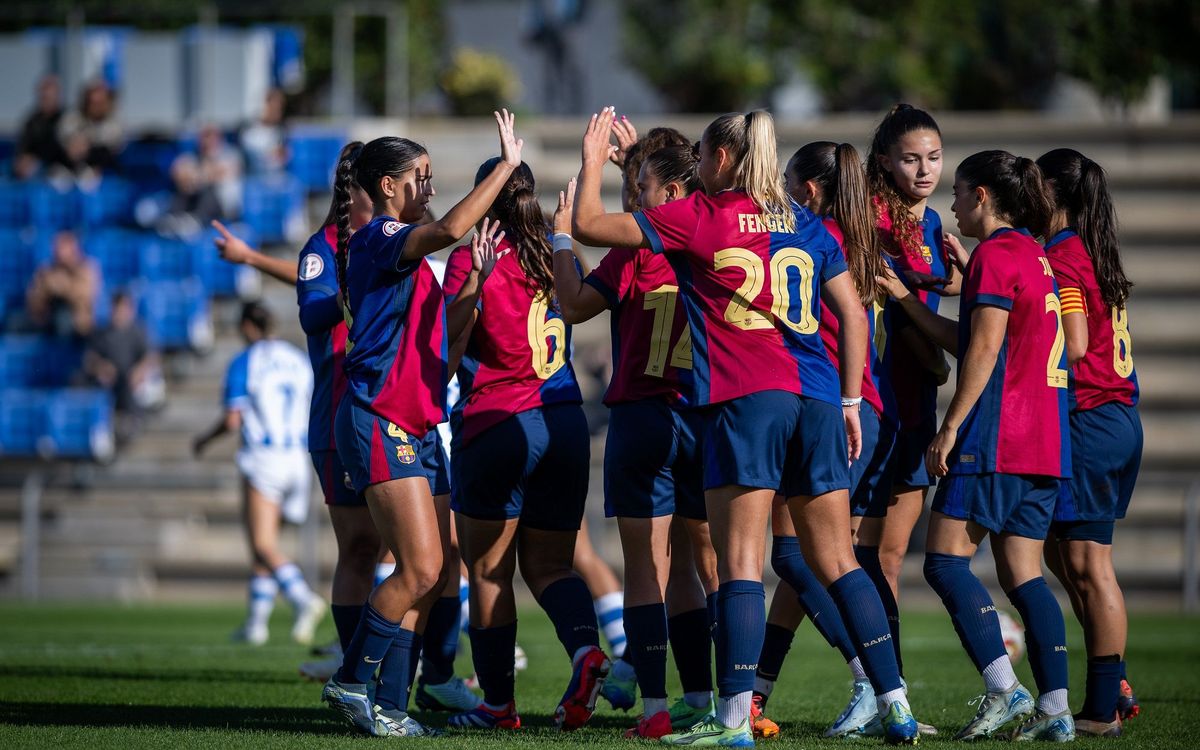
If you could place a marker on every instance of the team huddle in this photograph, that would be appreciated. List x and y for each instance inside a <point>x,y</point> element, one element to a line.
<point>777,353</point>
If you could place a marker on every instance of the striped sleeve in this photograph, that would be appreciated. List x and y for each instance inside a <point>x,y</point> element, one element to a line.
<point>1072,300</point>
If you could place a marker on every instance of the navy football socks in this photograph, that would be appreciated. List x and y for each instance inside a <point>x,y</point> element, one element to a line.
<point>440,641</point>
<point>866,622</point>
<point>788,563</point>
<point>367,649</point>
<point>1103,688</point>
<point>969,604</point>
<point>691,645</point>
<point>742,617</point>
<point>345,621</point>
<point>646,647</point>
<point>492,654</point>
<point>868,560</point>
<point>568,603</point>
<point>395,674</point>
<point>1045,633</point>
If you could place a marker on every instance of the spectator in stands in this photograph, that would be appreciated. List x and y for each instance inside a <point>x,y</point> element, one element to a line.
<point>38,148</point>
<point>119,357</point>
<point>92,138</point>
<point>207,185</point>
<point>62,297</point>
<point>264,141</point>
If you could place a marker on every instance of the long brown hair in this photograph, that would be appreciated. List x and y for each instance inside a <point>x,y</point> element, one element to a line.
<point>901,120</point>
<point>1017,187</point>
<point>657,138</point>
<point>838,170</point>
<point>525,225</point>
<point>1080,188</point>
<point>750,140</point>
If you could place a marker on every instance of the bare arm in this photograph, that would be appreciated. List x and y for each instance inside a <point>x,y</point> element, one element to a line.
<point>1076,332</point>
<point>230,422</point>
<point>235,250</point>
<point>431,237</point>
<point>576,300</point>
<point>460,313</point>
<point>988,327</point>
<point>592,226</point>
<point>842,298</point>
<point>943,331</point>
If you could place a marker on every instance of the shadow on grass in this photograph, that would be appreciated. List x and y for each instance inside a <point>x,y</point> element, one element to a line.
<point>297,720</point>
<point>142,675</point>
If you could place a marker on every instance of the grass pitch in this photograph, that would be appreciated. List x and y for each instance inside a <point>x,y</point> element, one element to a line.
<point>101,676</point>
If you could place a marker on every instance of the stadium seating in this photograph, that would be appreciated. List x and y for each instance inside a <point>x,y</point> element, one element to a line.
<point>273,207</point>
<point>314,154</point>
<point>78,424</point>
<point>176,314</point>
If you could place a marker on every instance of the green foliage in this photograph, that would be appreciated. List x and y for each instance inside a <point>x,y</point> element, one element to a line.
<point>478,83</point>
<point>702,55</point>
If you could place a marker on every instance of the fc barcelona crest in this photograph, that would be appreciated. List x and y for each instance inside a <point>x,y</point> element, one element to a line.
<point>405,453</point>
<point>927,254</point>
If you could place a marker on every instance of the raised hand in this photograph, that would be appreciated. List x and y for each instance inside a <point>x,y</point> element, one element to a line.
<point>626,136</point>
<point>958,254</point>
<point>510,144</point>
<point>484,244</point>
<point>596,146</point>
<point>937,457</point>
<point>891,284</point>
<point>925,280</point>
<point>231,247</point>
<point>566,206</point>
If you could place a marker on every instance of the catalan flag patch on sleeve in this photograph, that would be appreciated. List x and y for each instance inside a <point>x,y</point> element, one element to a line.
<point>1072,300</point>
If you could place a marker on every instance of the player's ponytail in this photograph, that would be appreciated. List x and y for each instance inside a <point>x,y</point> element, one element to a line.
<point>1080,188</point>
<point>750,141</point>
<point>902,119</point>
<point>525,226</point>
<point>838,171</point>
<point>1018,190</point>
<point>675,164</point>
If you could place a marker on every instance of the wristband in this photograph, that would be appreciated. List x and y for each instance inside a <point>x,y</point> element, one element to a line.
<point>848,402</point>
<point>563,241</point>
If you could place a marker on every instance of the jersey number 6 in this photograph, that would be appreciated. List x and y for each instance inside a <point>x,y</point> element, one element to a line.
<point>547,358</point>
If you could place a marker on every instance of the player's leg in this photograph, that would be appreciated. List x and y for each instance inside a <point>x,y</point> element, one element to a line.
<point>263,518</point>
<point>608,599</point>
<point>262,586</point>
<point>308,607</point>
<point>689,627</point>
<point>951,542</point>
<point>645,543</point>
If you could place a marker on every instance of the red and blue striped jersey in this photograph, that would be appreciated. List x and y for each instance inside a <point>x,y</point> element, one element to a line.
<point>519,354</point>
<point>1019,424</point>
<point>396,344</point>
<point>830,327</point>
<point>751,290</point>
<point>651,341</point>
<point>914,386</point>
<point>1106,371</point>
<point>325,326</point>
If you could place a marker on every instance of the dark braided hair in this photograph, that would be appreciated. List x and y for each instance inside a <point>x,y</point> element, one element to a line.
<point>1080,188</point>
<point>1016,186</point>
<point>838,170</point>
<point>675,164</point>
<point>525,226</point>
<point>388,156</point>
<point>903,119</point>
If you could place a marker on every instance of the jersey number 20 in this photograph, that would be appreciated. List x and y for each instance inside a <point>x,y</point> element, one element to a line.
<point>739,314</point>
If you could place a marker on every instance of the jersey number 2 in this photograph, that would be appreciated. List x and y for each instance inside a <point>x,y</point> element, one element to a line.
<point>1056,376</point>
<point>547,358</point>
<point>739,314</point>
<point>662,301</point>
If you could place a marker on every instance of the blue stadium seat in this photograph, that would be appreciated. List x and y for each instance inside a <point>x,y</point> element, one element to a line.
<point>272,205</point>
<point>314,154</point>
<point>147,163</point>
<point>220,278</point>
<point>78,424</point>
<point>109,202</point>
<point>18,360</point>
<point>52,208</point>
<point>176,314</point>
<point>14,204</point>
<point>22,418</point>
<point>16,268</point>
<point>118,251</point>
<point>58,362</point>
<point>162,259</point>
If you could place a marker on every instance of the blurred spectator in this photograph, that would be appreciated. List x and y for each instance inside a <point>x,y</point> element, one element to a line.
<point>92,137</point>
<point>207,185</point>
<point>119,357</point>
<point>38,147</point>
<point>62,297</point>
<point>264,142</point>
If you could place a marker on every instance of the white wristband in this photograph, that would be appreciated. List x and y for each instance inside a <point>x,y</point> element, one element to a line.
<point>847,402</point>
<point>563,241</point>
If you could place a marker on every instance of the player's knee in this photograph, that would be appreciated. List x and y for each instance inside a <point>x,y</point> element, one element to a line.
<point>890,562</point>
<point>941,569</point>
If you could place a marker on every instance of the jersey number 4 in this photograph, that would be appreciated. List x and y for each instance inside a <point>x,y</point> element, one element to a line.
<point>662,302</point>
<point>739,314</point>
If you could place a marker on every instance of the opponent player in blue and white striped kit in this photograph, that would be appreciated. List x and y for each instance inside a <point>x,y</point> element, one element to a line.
<point>266,399</point>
